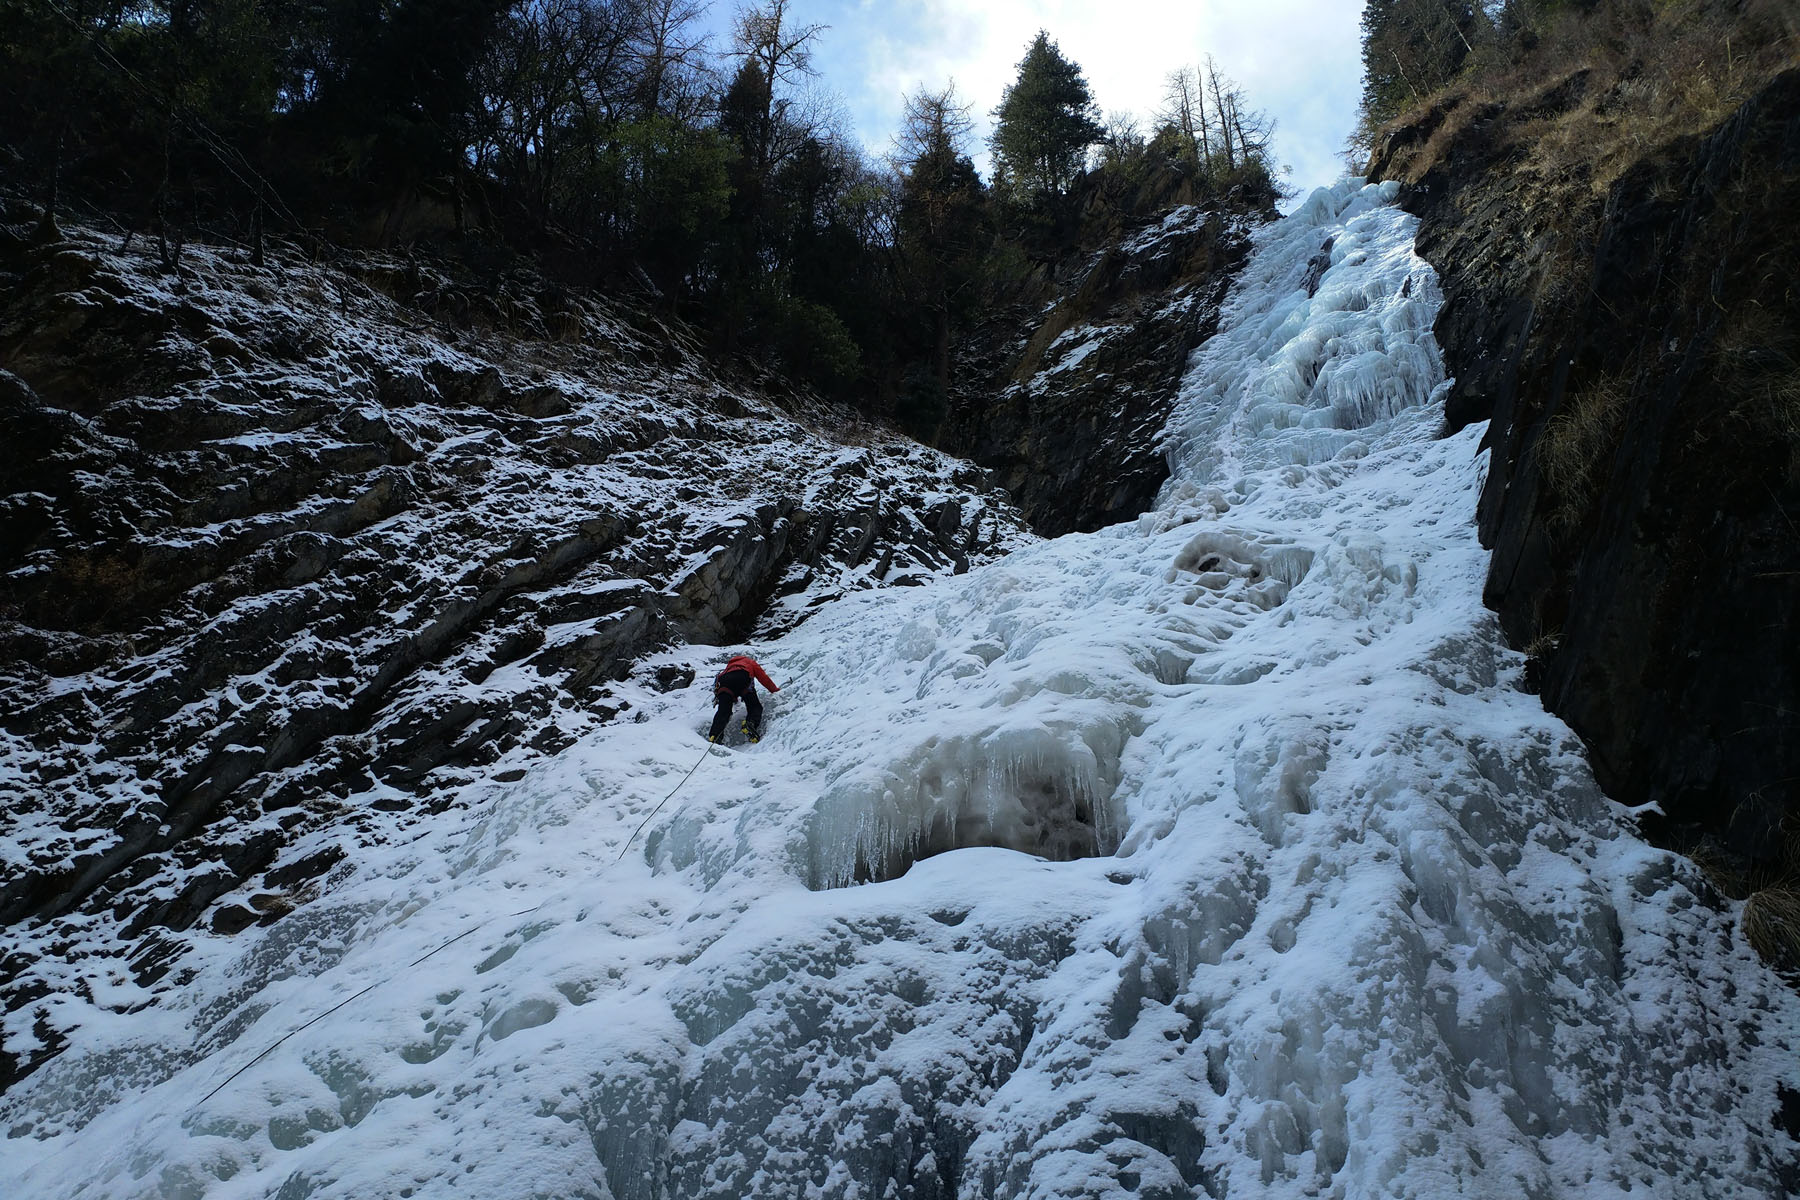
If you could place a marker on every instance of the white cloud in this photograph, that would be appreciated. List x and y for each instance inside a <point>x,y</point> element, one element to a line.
<point>1297,59</point>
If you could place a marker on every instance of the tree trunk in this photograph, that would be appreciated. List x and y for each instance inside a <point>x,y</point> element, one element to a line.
<point>941,352</point>
<point>1224,118</point>
<point>1205,138</point>
<point>46,229</point>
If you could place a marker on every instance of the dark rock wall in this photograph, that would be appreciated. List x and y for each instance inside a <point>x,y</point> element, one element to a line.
<point>1638,350</point>
<point>1064,400</point>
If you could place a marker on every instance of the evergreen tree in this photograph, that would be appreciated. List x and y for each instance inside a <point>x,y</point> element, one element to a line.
<point>1412,48</point>
<point>388,91</point>
<point>942,234</point>
<point>782,54</point>
<point>1045,123</point>
<point>53,81</point>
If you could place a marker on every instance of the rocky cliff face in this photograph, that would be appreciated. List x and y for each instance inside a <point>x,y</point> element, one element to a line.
<point>297,556</point>
<point>1065,398</point>
<point>1637,344</point>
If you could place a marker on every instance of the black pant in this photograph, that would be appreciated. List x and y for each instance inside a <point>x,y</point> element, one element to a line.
<point>728,689</point>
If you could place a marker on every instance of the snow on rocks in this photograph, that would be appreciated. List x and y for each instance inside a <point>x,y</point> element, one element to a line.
<point>1066,401</point>
<point>1352,918</point>
<point>303,596</point>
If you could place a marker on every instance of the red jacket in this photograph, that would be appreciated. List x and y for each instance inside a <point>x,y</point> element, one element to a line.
<point>744,662</point>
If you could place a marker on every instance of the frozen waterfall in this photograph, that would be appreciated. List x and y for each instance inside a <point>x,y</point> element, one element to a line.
<point>1213,854</point>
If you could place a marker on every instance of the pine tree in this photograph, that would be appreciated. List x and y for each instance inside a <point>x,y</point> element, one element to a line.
<point>1045,122</point>
<point>1411,48</point>
<point>781,51</point>
<point>942,226</point>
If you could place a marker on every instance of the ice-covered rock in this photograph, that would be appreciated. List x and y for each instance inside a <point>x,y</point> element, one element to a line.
<point>1216,853</point>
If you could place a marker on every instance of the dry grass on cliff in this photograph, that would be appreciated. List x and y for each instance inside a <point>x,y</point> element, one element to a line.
<point>1755,384</point>
<point>1756,362</point>
<point>1575,444</point>
<point>1769,892</point>
<point>1772,924</point>
<point>1659,73</point>
<point>1586,95</point>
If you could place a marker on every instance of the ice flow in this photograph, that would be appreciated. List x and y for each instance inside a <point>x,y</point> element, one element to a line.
<point>1216,853</point>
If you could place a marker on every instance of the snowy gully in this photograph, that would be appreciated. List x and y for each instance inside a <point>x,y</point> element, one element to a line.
<point>1215,853</point>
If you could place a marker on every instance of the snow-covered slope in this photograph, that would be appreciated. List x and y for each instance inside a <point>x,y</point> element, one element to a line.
<point>290,567</point>
<point>1315,901</point>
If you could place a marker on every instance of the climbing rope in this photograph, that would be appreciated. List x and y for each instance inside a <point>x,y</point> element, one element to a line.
<point>459,937</point>
<point>273,1046</point>
<point>270,1048</point>
<point>659,805</point>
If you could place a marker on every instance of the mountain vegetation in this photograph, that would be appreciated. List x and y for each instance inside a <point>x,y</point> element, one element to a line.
<point>1675,66</point>
<point>606,142</point>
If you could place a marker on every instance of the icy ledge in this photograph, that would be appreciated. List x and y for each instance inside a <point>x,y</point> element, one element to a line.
<point>1339,911</point>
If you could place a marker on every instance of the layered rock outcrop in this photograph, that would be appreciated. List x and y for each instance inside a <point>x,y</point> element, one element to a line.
<point>295,556</point>
<point>1635,340</point>
<point>1065,401</point>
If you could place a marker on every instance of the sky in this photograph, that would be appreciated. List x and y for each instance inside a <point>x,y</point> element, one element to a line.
<point>1297,60</point>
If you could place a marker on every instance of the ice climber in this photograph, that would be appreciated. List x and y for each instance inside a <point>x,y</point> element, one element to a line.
<point>735,683</point>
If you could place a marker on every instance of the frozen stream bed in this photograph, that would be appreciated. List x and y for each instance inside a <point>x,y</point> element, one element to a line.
<point>1216,853</point>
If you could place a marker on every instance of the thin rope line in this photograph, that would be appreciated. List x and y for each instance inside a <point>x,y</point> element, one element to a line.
<point>659,805</point>
<point>273,1046</point>
<point>354,996</point>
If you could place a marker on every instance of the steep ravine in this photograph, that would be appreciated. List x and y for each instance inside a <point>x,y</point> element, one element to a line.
<point>1216,853</point>
<point>297,556</point>
<point>1638,349</point>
